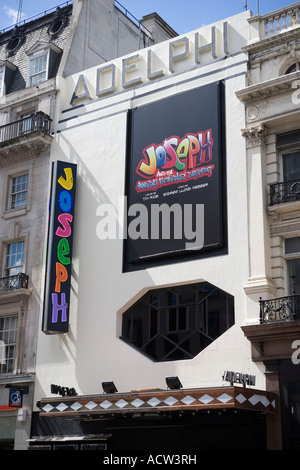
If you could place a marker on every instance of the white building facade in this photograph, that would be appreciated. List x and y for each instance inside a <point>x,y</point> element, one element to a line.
<point>60,41</point>
<point>164,126</point>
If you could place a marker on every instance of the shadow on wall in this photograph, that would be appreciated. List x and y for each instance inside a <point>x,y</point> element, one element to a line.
<point>97,292</point>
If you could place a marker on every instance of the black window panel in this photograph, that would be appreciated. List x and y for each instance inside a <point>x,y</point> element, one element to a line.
<point>293,266</point>
<point>292,245</point>
<point>178,323</point>
<point>288,139</point>
<point>291,166</point>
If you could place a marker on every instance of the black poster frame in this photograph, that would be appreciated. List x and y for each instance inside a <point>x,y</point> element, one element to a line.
<point>216,90</point>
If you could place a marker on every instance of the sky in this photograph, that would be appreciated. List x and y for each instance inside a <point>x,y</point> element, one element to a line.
<point>182,15</point>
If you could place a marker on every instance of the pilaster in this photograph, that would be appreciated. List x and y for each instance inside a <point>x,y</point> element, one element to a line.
<point>259,283</point>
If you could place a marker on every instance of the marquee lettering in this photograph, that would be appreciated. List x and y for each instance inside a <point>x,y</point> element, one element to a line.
<point>57,289</point>
<point>132,72</point>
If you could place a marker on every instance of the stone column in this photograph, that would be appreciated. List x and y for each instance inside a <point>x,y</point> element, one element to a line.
<point>260,281</point>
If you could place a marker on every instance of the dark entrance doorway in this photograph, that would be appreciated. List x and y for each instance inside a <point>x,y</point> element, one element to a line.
<point>180,432</point>
<point>290,404</point>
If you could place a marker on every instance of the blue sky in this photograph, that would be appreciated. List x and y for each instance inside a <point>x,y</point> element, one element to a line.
<point>182,16</point>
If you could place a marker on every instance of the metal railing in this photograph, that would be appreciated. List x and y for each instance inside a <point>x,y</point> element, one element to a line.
<point>37,15</point>
<point>287,191</point>
<point>34,122</point>
<point>280,309</point>
<point>132,18</point>
<point>18,281</point>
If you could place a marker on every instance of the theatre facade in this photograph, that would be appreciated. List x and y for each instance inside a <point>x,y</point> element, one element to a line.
<point>154,272</point>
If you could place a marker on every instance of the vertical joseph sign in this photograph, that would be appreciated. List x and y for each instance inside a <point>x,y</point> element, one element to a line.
<point>59,248</point>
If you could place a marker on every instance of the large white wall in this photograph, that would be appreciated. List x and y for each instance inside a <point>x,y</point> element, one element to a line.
<point>92,133</point>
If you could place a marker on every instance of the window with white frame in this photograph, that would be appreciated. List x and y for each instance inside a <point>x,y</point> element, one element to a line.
<point>14,258</point>
<point>26,124</point>
<point>292,257</point>
<point>43,62</point>
<point>18,191</point>
<point>8,340</point>
<point>38,69</point>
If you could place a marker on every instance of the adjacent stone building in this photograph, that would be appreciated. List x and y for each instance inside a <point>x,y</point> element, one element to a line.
<point>63,41</point>
<point>271,100</point>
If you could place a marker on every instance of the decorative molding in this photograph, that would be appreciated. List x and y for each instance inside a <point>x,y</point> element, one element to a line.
<point>59,22</point>
<point>285,228</point>
<point>24,148</point>
<point>260,285</point>
<point>272,341</point>
<point>17,379</point>
<point>264,45</point>
<point>255,136</point>
<point>263,90</point>
<point>15,298</point>
<point>285,211</point>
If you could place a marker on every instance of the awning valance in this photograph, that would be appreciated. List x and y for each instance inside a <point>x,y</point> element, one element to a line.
<point>239,398</point>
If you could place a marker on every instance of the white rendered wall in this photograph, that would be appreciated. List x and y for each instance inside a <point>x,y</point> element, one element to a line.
<point>94,137</point>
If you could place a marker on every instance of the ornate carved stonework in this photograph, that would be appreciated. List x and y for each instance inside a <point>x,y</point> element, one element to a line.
<point>24,148</point>
<point>255,136</point>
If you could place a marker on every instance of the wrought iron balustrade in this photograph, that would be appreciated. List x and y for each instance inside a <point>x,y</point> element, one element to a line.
<point>18,281</point>
<point>35,122</point>
<point>280,309</point>
<point>287,191</point>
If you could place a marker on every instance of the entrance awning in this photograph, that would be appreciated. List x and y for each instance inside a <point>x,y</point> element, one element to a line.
<point>156,401</point>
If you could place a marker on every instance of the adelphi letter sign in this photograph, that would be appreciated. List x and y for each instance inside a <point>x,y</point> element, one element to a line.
<point>59,248</point>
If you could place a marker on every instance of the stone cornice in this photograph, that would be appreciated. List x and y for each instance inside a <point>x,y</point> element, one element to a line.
<point>15,296</point>
<point>24,148</point>
<point>271,42</point>
<point>274,87</point>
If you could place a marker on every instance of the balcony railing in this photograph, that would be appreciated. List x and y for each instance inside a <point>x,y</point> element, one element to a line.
<point>18,281</point>
<point>280,309</point>
<point>35,122</point>
<point>287,191</point>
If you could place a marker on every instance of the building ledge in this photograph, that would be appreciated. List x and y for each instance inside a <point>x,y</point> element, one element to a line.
<point>24,148</point>
<point>274,87</point>
<point>277,211</point>
<point>272,341</point>
<point>16,379</point>
<point>14,295</point>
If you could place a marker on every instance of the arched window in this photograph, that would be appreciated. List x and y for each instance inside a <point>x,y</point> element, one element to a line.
<point>293,68</point>
<point>179,322</point>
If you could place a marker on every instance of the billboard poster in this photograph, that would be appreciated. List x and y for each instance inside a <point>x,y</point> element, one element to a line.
<point>175,174</point>
<point>59,248</point>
